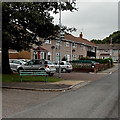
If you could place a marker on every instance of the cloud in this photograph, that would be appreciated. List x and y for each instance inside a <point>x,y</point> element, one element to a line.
<point>95,19</point>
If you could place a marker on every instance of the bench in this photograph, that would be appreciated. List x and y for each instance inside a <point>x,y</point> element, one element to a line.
<point>33,73</point>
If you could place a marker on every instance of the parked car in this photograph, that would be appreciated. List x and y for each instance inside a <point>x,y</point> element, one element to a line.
<point>37,64</point>
<point>64,66</point>
<point>25,60</point>
<point>15,62</point>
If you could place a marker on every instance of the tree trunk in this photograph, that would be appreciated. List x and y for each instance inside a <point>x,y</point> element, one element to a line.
<point>5,59</point>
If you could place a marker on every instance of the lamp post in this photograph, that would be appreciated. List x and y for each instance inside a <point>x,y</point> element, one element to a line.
<point>59,73</point>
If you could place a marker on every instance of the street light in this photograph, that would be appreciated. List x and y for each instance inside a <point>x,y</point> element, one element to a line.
<point>59,75</point>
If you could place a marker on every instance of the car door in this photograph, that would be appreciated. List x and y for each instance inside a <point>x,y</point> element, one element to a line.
<point>37,64</point>
<point>28,65</point>
<point>14,64</point>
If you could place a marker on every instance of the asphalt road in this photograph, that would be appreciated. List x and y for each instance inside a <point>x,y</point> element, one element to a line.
<point>14,101</point>
<point>98,99</point>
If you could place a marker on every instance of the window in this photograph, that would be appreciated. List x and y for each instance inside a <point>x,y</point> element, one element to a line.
<point>67,57</point>
<point>67,44</point>
<point>58,42</point>
<point>107,50</point>
<point>36,62</point>
<point>80,56</point>
<point>73,57</point>
<point>74,45</point>
<point>57,56</point>
<point>62,63</point>
<point>48,41</point>
<point>82,47</point>
<point>49,55</point>
<point>115,50</point>
<point>42,55</point>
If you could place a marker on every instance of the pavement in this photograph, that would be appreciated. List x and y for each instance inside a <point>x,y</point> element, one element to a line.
<point>54,86</point>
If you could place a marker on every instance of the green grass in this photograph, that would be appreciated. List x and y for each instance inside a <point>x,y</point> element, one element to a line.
<point>16,78</point>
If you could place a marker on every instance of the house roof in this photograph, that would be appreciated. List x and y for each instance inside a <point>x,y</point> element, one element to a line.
<point>40,49</point>
<point>79,39</point>
<point>108,46</point>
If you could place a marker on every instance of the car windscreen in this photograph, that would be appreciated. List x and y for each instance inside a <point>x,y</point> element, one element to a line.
<point>48,62</point>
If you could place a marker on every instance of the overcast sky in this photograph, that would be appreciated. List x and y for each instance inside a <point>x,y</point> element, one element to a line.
<point>96,20</point>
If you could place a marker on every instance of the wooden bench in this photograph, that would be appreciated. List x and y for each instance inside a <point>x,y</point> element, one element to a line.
<point>33,73</point>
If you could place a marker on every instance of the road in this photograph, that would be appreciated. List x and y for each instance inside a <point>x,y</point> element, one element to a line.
<point>98,99</point>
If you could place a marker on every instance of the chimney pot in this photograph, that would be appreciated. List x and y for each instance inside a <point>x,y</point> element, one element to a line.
<point>81,35</point>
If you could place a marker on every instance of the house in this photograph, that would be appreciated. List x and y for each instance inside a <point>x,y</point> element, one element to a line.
<point>108,51</point>
<point>70,48</point>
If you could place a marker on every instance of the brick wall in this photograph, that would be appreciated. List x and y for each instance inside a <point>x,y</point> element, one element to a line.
<point>20,55</point>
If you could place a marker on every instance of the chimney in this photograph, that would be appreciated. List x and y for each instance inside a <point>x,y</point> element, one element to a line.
<point>81,35</point>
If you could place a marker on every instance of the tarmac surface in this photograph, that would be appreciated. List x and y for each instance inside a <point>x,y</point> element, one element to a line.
<point>70,80</point>
<point>24,95</point>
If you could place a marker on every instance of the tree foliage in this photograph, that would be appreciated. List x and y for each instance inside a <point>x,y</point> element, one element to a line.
<point>114,38</point>
<point>18,18</point>
<point>22,22</point>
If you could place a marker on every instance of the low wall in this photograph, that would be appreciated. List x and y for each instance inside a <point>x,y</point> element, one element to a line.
<point>89,67</point>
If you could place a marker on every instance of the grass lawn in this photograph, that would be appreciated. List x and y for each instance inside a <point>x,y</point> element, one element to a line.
<point>16,78</point>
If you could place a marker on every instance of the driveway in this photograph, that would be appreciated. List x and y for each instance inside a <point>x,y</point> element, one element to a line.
<point>82,76</point>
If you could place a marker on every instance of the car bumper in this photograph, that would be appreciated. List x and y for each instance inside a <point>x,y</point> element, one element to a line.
<point>50,70</point>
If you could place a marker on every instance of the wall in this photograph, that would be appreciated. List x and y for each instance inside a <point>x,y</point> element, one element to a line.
<point>20,55</point>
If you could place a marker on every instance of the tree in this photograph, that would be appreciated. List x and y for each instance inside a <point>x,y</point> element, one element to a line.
<point>115,37</point>
<point>23,21</point>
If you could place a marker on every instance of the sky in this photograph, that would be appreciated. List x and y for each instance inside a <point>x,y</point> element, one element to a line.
<point>97,19</point>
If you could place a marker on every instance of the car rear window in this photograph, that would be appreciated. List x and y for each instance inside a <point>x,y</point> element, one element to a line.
<point>48,62</point>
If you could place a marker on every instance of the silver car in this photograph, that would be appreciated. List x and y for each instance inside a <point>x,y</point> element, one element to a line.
<point>14,63</point>
<point>38,64</point>
<point>64,66</point>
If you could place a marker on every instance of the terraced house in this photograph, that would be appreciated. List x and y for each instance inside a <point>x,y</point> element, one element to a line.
<point>70,48</point>
<point>108,51</point>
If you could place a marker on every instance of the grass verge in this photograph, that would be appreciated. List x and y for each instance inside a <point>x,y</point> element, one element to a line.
<point>16,78</point>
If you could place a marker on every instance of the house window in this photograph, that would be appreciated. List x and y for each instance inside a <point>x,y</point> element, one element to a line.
<point>58,42</point>
<point>80,56</point>
<point>57,56</point>
<point>45,56</point>
<point>67,57</point>
<point>73,57</point>
<point>49,55</point>
<point>82,47</point>
<point>74,45</point>
<point>42,55</point>
<point>67,44</point>
<point>115,50</point>
<point>107,50</point>
<point>48,41</point>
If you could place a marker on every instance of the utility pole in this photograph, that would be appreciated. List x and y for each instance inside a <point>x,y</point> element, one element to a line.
<point>59,75</point>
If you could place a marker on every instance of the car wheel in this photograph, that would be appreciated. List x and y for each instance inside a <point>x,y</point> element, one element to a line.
<point>19,70</point>
<point>64,70</point>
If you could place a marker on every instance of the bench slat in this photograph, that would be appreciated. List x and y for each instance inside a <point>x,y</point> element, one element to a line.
<point>33,72</point>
